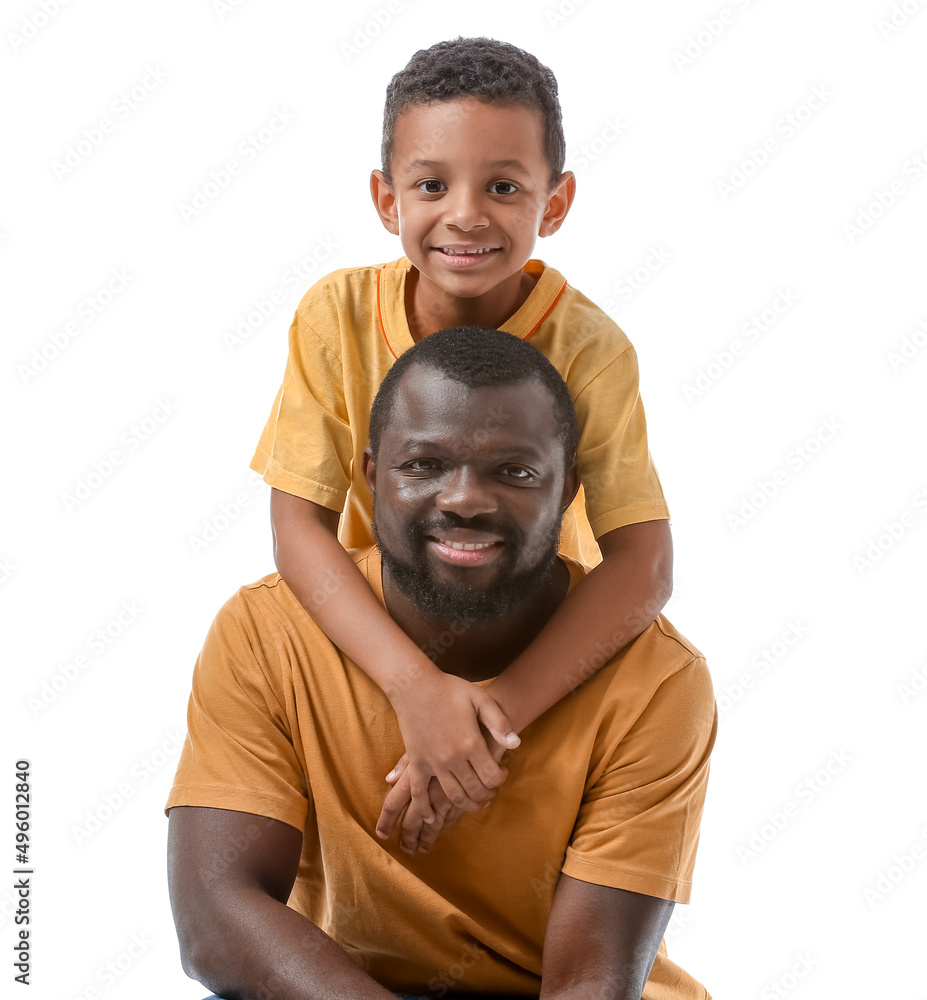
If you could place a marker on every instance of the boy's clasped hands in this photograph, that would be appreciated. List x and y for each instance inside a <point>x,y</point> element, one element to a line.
<point>455,736</point>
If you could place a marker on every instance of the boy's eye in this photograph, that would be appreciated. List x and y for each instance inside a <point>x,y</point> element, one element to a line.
<point>503,187</point>
<point>431,187</point>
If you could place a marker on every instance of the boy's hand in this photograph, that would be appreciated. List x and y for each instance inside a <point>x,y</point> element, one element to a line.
<point>440,718</point>
<point>415,835</point>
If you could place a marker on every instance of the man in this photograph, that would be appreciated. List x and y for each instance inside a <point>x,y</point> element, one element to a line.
<point>563,885</point>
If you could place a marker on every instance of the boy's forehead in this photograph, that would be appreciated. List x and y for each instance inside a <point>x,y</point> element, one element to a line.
<point>501,133</point>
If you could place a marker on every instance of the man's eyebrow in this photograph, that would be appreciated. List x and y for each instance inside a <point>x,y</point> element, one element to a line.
<point>523,451</point>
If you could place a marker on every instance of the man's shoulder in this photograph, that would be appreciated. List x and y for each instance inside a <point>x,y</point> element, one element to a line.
<point>271,591</point>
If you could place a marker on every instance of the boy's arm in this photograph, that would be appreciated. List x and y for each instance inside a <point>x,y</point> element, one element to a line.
<point>433,708</point>
<point>612,605</point>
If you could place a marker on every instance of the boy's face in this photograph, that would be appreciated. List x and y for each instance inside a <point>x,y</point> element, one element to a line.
<point>470,193</point>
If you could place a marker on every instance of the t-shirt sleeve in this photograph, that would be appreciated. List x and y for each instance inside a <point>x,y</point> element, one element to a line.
<point>638,825</point>
<point>306,447</point>
<point>620,482</point>
<point>239,753</point>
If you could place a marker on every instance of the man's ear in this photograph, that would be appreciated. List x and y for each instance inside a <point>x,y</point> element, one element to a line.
<point>570,486</point>
<point>369,469</point>
<point>385,201</point>
<point>558,204</point>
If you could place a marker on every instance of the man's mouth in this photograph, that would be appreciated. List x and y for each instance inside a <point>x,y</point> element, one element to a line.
<point>464,546</point>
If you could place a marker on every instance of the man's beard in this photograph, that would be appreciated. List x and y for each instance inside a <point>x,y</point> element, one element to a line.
<point>447,601</point>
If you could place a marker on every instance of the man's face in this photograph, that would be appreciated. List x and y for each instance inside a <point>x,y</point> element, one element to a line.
<point>470,193</point>
<point>469,489</point>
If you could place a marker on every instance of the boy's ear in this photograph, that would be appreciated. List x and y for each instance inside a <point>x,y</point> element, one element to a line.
<point>385,201</point>
<point>369,469</point>
<point>558,204</point>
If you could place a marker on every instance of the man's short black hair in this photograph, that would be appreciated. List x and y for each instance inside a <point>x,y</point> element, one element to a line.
<point>481,68</point>
<point>478,357</point>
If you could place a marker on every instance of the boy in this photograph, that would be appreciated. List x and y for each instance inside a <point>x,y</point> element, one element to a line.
<point>472,173</point>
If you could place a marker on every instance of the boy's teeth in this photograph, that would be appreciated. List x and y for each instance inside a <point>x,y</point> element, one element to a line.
<point>448,250</point>
<point>467,547</point>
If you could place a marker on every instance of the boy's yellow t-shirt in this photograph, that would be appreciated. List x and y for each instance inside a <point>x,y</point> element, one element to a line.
<point>351,326</point>
<point>607,787</point>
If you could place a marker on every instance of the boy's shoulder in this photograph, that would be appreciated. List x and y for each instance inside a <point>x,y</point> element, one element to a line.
<point>361,279</point>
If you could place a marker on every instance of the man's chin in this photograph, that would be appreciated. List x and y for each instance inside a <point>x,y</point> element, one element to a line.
<point>467,594</point>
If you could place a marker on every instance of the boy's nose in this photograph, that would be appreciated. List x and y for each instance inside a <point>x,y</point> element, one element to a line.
<point>464,210</point>
<point>466,494</point>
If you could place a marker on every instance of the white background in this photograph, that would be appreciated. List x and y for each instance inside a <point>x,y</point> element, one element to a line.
<point>794,463</point>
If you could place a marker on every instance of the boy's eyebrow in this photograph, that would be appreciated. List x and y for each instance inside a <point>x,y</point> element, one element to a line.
<point>439,164</point>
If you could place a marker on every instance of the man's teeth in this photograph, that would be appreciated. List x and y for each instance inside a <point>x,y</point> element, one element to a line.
<point>464,253</point>
<point>466,546</point>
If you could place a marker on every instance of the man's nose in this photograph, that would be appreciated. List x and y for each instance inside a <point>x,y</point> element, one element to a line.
<point>467,494</point>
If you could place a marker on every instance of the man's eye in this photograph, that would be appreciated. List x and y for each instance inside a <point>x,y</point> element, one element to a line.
<point>431,187</point>
<point>421,465</point>
<point>503,187</point>
<point>517,472</point>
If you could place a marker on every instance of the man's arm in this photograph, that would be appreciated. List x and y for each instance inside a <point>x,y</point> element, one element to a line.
<point>600,942</point>
<point>237,935</point>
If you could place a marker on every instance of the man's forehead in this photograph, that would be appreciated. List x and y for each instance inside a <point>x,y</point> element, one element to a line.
<point>430,407</point>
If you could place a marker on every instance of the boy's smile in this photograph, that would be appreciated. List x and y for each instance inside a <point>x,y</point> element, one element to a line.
<point>470,194</point>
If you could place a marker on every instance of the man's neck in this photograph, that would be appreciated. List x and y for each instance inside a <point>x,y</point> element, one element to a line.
<point>471,650</point>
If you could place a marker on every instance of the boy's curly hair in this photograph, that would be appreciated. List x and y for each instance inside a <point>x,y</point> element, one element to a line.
<point>476,67</point>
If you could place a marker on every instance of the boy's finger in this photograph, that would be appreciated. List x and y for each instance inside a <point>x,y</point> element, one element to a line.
<point>398,770</point>
<point>498,725</point>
